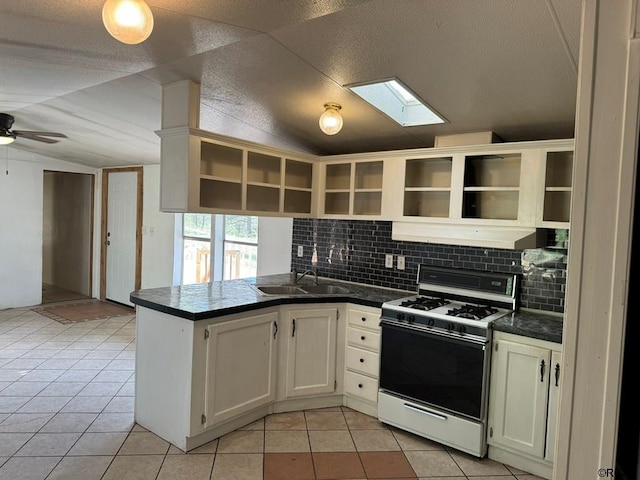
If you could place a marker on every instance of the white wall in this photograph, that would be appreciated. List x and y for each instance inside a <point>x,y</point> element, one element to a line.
<point>158,230</point>
<point>274,245</point>
<point>21,212</point>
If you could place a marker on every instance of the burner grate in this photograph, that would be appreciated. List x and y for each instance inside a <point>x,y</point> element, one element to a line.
<point>424,303</point>
<point>472,312</point>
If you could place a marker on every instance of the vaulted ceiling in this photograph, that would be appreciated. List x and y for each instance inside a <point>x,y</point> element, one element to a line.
<point>267,67</point>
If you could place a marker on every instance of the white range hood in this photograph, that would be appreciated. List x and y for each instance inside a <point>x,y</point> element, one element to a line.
<point>490,236</point>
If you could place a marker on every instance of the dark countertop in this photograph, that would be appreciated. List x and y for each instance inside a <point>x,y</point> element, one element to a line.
<point>531,324</point>
<point>216,299</point>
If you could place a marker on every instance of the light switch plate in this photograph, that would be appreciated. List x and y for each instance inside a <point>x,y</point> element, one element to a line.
<point>400,262</point>
<point>388,261</point>
<point>300,251</point>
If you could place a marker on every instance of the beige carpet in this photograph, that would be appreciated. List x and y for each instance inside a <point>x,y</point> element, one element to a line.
<point>83,311</point>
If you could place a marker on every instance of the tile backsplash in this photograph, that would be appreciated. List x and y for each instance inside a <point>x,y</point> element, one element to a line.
<point>354,250</point>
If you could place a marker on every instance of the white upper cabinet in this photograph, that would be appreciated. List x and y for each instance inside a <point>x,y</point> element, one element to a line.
<point>512,184</point>
<point>427,187</point>
<point>555,206</point>
<point>352,189</point>
<point>525,184</point>
<point>206,173</point>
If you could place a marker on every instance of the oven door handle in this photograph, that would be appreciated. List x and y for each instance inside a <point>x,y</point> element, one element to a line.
<point>425,411</point>
<point>469,340</point>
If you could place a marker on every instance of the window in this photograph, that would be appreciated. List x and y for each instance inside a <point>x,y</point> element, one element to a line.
<point>240,247</point>
<point>196,256</point>
<point>218,247</point>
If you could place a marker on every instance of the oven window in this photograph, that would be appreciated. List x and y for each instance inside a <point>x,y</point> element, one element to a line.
<point>443,372</point>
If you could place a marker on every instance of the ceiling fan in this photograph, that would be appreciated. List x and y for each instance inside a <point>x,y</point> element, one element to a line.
<point>8,136</point>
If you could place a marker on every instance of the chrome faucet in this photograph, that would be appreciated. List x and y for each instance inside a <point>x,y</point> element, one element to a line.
<point>314,269</point>
<point>296,277</point>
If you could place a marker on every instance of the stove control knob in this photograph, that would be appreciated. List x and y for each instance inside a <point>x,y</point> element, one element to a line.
<point>411,318</point>
<point>450,327</point>
<point>462,329</point>
<point>431,322</point>
<point>400,316</point>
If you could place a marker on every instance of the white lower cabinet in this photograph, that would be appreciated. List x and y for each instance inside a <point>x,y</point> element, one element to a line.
<point>240,367</point>
<point>309,348</point>
<point>199,380</point>
<point>523,402</point>
<point>362,359</point>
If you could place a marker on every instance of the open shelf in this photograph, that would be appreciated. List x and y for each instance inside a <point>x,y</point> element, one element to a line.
<point>336,203</point>
<point>428,172</point>
<point>369,175</point>
<point>220,161</point>
<point>298,174</point>
<point>263,168</point>
<point>557,206</point>
<point>263,198</point>
<point>297,201</point>
<point>338,176</point>
<point>557,194</point>
<point>491,204</point>
<point>433,203</point>
<point>492,171</point>
<point>559,169</point>
<point>220,194</point>
<point>367,203</point>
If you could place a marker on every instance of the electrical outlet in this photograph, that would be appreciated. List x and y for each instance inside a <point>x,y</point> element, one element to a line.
<point>300,251</point>
<point>400,262</point>
<point>388,261</point>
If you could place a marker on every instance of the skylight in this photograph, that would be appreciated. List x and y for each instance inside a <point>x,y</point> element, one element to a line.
<point>396,101</point>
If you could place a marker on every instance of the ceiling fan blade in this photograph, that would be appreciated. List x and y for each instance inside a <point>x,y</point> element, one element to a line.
<point>39,136</point>
<point>26,133</point>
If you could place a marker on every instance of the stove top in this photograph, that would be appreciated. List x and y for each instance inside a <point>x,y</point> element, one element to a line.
<point>470,313</point>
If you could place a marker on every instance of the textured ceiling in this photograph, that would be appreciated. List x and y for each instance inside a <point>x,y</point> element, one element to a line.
<point>267,67</point>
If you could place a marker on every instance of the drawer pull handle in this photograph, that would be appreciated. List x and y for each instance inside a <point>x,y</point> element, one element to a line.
<point>426,412</point>
<point>364,319</point>
<point>362,337</point>
<point>360,385</point>
<point>362,360</point>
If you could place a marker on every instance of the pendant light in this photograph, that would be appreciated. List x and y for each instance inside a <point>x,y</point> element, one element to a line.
<point>331,120</point>
<point>128,21</point>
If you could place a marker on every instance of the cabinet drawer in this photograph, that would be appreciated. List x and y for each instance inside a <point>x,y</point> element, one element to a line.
<point>364,318</point>
<point>363,339</point>
<point>363,361</point>
<point>361,386</point>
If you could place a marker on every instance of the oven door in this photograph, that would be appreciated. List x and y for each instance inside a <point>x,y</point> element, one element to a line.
<point>442,371</point>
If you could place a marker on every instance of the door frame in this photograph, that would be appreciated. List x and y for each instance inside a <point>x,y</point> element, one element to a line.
<point>103,226</point>
<point>92,177</point>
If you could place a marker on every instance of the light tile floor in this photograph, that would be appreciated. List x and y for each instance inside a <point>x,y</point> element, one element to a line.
<point>66,412</point>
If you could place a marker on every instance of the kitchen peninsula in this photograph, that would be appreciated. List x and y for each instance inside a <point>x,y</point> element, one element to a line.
<point>211,358</point>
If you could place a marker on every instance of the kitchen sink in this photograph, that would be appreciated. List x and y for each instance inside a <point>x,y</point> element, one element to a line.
<point>280,290</point>
<point>303,289</point>
<point>324,289</point>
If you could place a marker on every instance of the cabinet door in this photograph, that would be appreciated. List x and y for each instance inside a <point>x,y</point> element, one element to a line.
<point>554,401</point>
<point>311,352</point>
<point>240,369</point>
<point>518,397</point>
